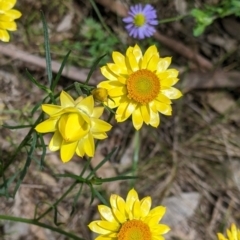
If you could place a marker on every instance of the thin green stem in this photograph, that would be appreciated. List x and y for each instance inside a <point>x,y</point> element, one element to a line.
<point>136,154</point>
<point>173,19</point>
<point>23,143</point>
<point>58,201</point>
<point>37,223</point>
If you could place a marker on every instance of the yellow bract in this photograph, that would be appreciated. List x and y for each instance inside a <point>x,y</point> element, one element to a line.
<point>131,219</point>
<point>7,17</point>
<point>140,85</point>
<point>75,125</point>
<point>233,234</point>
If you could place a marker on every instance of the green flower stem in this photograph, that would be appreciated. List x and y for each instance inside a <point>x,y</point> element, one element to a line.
<point>135,154</point>
<point>37,223</point>
<point>22,144</point>
<point>173,19</point>
<point>58,201</point>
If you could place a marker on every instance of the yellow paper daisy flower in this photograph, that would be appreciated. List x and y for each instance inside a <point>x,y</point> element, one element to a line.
<point>130,219</point>
<point>140,85</point>
<point>75,125</point>
<point>7,17</point>
<point>233,234</point>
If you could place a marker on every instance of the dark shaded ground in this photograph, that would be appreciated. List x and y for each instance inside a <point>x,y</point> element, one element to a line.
<point>195,151</point>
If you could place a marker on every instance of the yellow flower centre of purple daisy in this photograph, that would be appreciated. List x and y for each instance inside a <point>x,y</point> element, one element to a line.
<point>134,230</point>
<point>139,20</point>
<point>143,86</point>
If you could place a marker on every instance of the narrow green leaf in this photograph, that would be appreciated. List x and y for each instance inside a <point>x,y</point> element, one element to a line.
<point>101,163</point>
<point>16,127</point>
<point>33,80</point>
<point>27,164</point>
<point>55,81</point>
<point>93,68</point>
<point>47,49</point>
<point>100,197</point>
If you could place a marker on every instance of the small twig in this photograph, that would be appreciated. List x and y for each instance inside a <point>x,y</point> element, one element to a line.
<point>71,72</point>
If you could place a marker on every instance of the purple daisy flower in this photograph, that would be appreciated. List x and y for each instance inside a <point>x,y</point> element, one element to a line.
<point>141,21</point>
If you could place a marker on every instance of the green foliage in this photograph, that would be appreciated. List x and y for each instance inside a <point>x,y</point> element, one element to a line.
<point>97,41</point>
<point>205,17</point>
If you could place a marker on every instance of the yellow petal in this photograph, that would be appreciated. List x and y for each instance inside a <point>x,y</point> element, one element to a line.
<point>119,59</point>
<point>99,126</point>
<point>158,211</point>
<point>109,84</point>
<point>152,64</point>
<point>80,148</point>
<point>67,150</point>
<point>137,119</point>
<point>4,35</point>
<point>119,215</point>
<point>117,69</point>
<point>118,91</point>
<point>86,105</point>
<point>162,98</point>
<point>99,135</point>
<point>168,82</point>
<point>145,205</point>
<point>13,14</point>
<point>131,198</point>
<point>11,26</point>
<point>145,111</point>
<point>113,200</point>
<point>51,109</point>
<point>152,50</point>
<point>106,237</point>
<point>160,229</point>
<point>132,63</point>
<point>157,238</point>
<point>136,210</point>
<point>137,52</point>
<point>120,113</point>
<point>120,204</point>
<point>221,237</point>
<point>163,64</point>
<point>48,125</point>
<point>169,73</point>
<point>111,226</point>
<point>72,127</point>
<point>164,108</point>
<point>89,145</point>
<point>95,227</point>
<point>172,93</point>
<point>97,112</point>
<point>106,213</point>
<point>154,119</point>
<point>113,102</point>
<point>6,5</point>
<point>107,73</point>
<point>55,142</point>
<point>129,50</point>
<point>66,100</point>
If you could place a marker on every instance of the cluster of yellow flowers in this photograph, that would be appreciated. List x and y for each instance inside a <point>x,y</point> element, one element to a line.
<point>137,85</point>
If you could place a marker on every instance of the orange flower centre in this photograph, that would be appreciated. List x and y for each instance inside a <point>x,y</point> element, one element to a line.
<point>134,230</point>
<point>139,20</point>
<point>143,86</point>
